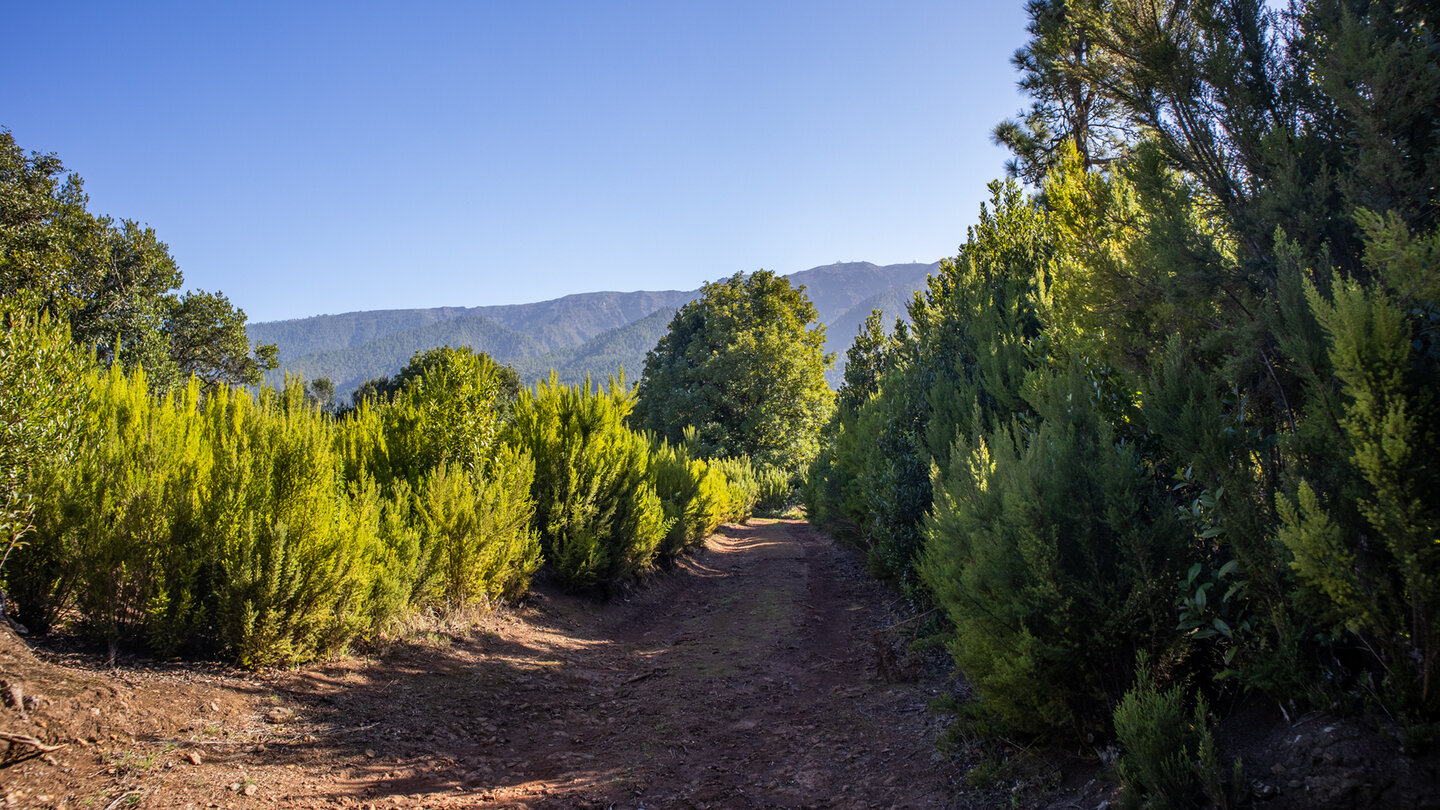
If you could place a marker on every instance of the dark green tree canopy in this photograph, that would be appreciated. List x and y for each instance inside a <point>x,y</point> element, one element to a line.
<point>866,361</point>
<point>1054,67</point>
<point>745,366</point>
<point>115,282</point>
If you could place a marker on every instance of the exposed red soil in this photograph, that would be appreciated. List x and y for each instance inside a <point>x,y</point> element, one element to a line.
<point>767,670</point>
<point>762,672</point>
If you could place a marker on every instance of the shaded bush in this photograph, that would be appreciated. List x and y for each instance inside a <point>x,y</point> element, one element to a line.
<point>1168,758</point>
<point>1055,557</point>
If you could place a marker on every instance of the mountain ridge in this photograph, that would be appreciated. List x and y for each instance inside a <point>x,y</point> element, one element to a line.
<point>576,335</point>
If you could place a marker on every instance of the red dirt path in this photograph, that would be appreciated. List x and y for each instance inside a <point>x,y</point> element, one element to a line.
<point>757,674</point>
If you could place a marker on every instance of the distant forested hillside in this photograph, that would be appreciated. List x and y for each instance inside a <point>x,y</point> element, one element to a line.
<point>590,333</point>
<point>844,309</point>
<point>621,348</point>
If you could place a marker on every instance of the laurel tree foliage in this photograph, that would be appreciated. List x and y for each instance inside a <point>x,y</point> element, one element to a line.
<point>744,367</point>
<point>114,283</point>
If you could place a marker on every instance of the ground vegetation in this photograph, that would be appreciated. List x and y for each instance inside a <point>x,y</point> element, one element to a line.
<point>1173,401</point>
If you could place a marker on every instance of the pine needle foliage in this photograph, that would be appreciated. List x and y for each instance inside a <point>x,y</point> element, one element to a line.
<point>1364,543</point>
<point>1182,399</point>
<point>1168,759</point>
<point>1053,554</point>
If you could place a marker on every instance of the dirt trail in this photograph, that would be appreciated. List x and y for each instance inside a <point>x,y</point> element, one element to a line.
<point>749,677</point>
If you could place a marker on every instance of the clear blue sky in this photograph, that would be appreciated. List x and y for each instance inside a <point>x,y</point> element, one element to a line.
<point>309,158</point>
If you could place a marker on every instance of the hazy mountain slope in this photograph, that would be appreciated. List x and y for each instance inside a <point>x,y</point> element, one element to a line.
<point>350,366</point>
<point>574,319</point>
<point>560,322</point>
<point>323,333</point>
<point>835,289</point>
<point>840,333</point>
<point>605,354</point>
<point>588,332</point>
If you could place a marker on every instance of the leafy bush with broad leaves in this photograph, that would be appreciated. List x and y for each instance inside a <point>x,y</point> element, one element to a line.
<point>743,366</point>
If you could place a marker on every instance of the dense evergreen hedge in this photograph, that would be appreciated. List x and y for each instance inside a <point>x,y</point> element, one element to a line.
<point>257,527</point>
<point>1181,401</point>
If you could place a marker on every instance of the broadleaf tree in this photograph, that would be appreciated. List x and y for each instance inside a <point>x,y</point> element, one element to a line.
<point>115,282</point>
<point>744,364</point>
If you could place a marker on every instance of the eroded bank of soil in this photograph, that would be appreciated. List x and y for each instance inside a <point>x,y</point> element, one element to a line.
<point>758,674</point>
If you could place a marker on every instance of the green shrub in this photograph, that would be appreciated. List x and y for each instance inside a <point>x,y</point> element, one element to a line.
<point>215,526</point>
<point>116,525</point>
<point>1167,755</point>
<point>596,510</point>
<point>834,495</point>
<point>455,508</point>
<point>1055,555</point>
<point>754,488</point>
<point>741,492</point>
<point>775,489</point>
<point>400,575</point>
<point>693,494</point>
<point>957,369</point>
<point>1364,541</point>
<point>293,572</point>
<point>476,532</point>
<point>40,407</point>
<point>257,526</point>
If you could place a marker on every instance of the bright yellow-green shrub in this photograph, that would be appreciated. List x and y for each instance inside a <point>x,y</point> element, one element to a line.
<point>256,526</point>
<point>596,509</point>
<point>475,532</point>
<point>694,495</point>
<point>753,487</point>
<point>294,566</point>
